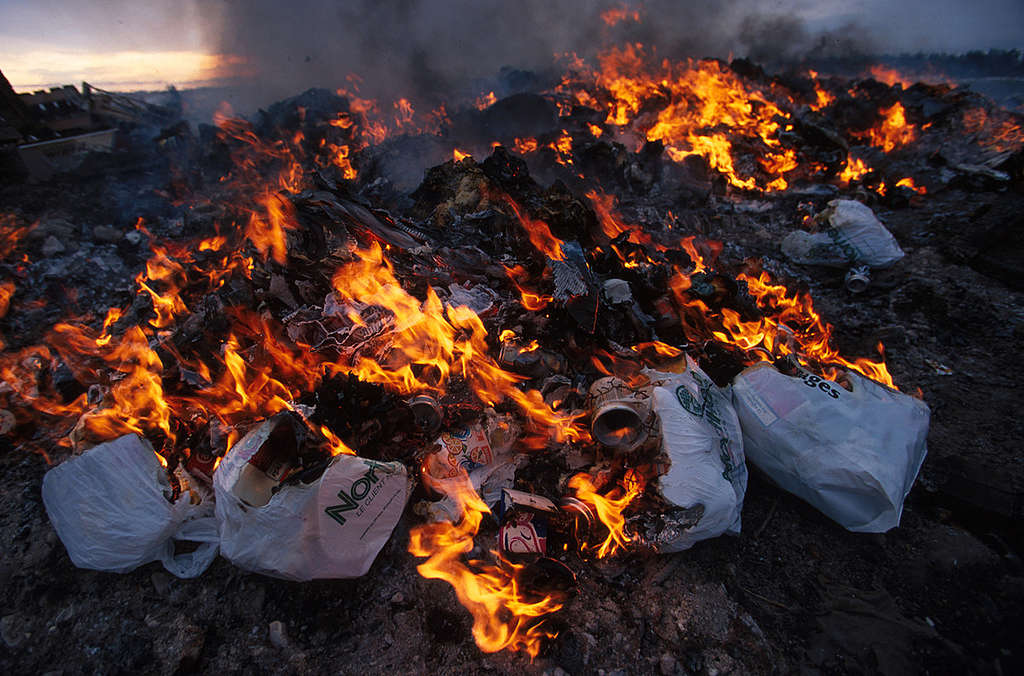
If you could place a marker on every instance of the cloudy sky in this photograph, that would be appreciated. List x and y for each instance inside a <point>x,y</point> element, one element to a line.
<point>127,44</point>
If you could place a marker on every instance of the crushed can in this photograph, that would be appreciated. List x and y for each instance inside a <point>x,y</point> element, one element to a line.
<point>523,533</point>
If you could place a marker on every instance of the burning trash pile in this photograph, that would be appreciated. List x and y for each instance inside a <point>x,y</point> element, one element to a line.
<point>315,352</point>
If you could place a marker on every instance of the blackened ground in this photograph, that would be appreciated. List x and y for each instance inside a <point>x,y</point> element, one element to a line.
<point>943,593</point>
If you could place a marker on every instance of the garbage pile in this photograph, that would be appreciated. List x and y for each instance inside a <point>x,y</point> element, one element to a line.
<point>313,348</point>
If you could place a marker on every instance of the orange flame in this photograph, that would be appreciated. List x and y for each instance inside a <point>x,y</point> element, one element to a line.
<point>504,615</point>
<point>538,232</point>
<point>267,232</point>
<point>822,98</point>
<point>909,183</point>
<point>534,302</point>
<point>6,291</point>
<point>609,509</point>
<point>620,13</point>
<point>790,326</point>
<point>893,131</point>
<point>854,170</point>
<point>697,101</point>
<point>525,146</point>
<point>485,100</point>
<point>997,130</point>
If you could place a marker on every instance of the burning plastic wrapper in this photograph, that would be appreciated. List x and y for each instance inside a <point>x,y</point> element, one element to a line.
<point>852,454</point>
<point>112,508</point>
<point>852,236</point>
<point>707,476</point>
<point>326,525</point>
<point>479,451</point>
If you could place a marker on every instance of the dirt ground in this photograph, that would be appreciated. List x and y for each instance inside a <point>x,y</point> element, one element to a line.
<point>794,593</point>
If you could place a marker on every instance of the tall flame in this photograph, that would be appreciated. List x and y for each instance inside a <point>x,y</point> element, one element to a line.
<point>504,614</point>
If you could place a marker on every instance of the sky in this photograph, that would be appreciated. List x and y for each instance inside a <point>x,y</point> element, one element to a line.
<point>148,44</point>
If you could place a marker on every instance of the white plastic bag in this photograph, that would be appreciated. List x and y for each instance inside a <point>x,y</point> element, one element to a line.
<point>853,455</point>
<point>330,528</point>
<point>701,436</point>
<point>110,508</point>
<point>854,236</point>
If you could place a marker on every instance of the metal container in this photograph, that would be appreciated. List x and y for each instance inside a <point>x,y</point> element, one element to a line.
<point>620,415</point>
<point>426,413</point>
<point>857,279</point>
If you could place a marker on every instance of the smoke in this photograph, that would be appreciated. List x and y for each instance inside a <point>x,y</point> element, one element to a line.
<point>429,49</point>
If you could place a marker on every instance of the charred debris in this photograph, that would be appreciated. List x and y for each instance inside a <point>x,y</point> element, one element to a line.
<point>492,295</point>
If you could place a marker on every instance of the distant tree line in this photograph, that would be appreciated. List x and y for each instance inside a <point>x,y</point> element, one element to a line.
<point>973,64</point>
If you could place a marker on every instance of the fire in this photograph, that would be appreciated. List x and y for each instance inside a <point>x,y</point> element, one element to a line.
<point>563,148</point>
<point>485,100</point>
<point>889,76</point>
<point>893,131</point>
<point>534,302</point>
<point>340,157</point>
<point>696,101</point>
<point>854,170</point>
<point>611,224</point>
<point>428,344</point>
<point>12,233</point>
<point>6,292</point>
<point>525,146</point>
<point>504,615</point>
<point>267,231</point>
<point>620,13</point>
<point>338,447</point>
<point>791,325</point>
<point>909,183</point>
<point>893,77</point>
<point>595,130</point>
<point>538,232</point>
<point>822,98</point>
<point>135,402</point>
<point>459,155</point>
<point>609,509</point>
<point>996,130</point>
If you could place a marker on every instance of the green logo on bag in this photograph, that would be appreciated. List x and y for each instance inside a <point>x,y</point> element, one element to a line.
<point>705,408</point>
<point>358,491</point>
<point>689,402</point>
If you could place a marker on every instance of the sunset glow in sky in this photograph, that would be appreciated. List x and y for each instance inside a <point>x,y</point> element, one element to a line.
<point>149,44</point>
<point>112,44</point>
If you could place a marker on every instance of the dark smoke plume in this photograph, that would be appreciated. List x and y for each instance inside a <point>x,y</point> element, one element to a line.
<point>431,49</point>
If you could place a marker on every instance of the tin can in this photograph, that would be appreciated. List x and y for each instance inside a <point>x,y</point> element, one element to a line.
<point>620,415</point>
<point>857,279</point>
<point>426,413</point>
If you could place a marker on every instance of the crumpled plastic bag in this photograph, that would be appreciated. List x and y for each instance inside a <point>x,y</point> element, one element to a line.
<point>333,527</point>
<point>853,455</point>
<point>854,236</point>
<point>110,508</point>
<point>707,477</point>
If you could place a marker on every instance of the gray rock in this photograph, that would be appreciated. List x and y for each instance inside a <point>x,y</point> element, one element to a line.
<point>134,237</point>
<point>52,247</point>
<point>107,234</point>
<point>278,636</point>
<point>161,583</point>
<point>12,631</point>
<point>53,227</point>
<point>667,664</point>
